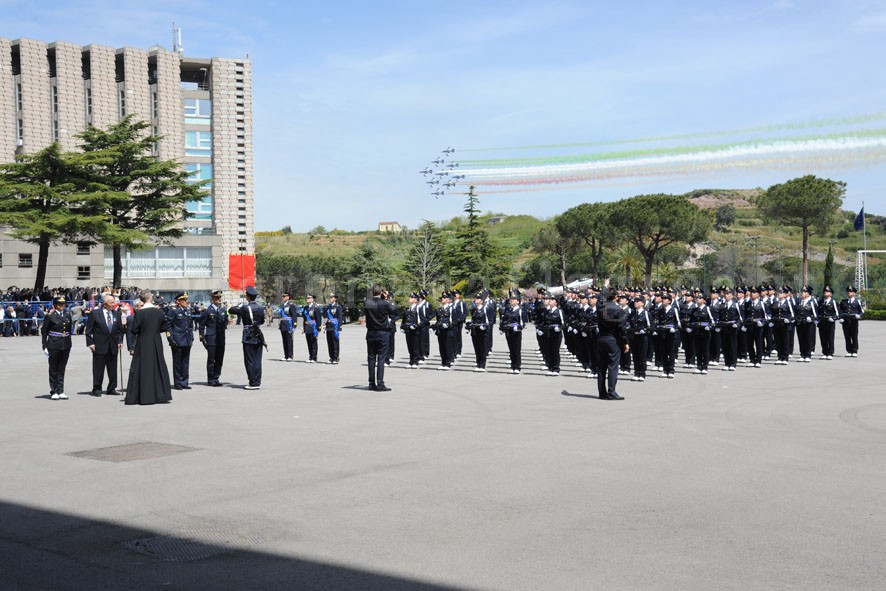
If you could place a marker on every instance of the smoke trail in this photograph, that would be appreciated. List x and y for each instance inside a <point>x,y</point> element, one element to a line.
<point>816,123</point>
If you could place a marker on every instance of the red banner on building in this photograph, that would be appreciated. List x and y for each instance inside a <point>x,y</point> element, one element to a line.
<point>241,271</point>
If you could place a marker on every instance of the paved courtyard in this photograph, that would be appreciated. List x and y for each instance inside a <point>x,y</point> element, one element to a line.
<point>770,478</point>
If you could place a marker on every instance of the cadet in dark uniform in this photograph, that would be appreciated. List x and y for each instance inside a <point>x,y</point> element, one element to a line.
<point>784,318</point>
<point>730,322</point>
<point>409,326</point>
<point>611,343</point>
<point>640,328</point>
<point>830,313</point>
<point>288,315</point>
<point>335,317</point>
<point>491,306</point>
<point>669,325</point>
<point>513,320</point>
<point>56,333</point>
<point>445,325</point>
<point>252,316</point>
<point>703,323</point>
<point>378,318</point>
<point>180,336</point>
<point>312,321</point>
<point>462,309</point>
<point>756,318</point>
<point>392,327</point>
<point>478,325</point>
<point>212,327</point>
<point>425,313</point>
<point>807,319</point>
<point>851,311</point>
<point>552,330</point>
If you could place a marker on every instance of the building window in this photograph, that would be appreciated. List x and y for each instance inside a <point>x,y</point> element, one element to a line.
<point>55,130</point>
<point>21,130</point>
<point>54,98</point>
<point>155,105</point>
<point>18,97</point>
<point>199,171</point>
<point>198,143</point>
<point>200,209</point>
<point>25,261</point>
<point>1,260</point>
<point>122,103</point>
<point>84,273</point>
<point>88,101</point>
<point>198,108</point>
<point>83,248</point>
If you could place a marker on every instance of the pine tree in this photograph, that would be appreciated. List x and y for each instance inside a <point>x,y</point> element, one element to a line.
<point>145,201</point>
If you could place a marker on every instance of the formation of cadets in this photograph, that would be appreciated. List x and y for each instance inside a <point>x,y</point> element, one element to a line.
<point>725,328</point>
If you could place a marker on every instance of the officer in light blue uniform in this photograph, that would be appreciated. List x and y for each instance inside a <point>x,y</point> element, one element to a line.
<point>180,335</point>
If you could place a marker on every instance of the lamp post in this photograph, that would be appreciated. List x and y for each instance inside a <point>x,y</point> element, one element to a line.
<point>755,240</point>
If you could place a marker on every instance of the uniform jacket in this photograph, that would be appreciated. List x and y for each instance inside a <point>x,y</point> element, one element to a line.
<point>179,326</point>
<point>213,324</point>
<point>56,331</point>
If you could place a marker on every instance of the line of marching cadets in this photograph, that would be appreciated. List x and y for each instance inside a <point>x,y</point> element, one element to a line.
<point>728,327</point>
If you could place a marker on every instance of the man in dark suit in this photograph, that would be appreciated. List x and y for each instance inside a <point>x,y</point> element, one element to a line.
<point>212,327</point>
<point>104,337</point>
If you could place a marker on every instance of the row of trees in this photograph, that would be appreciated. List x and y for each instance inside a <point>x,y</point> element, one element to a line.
<point>112,192</point>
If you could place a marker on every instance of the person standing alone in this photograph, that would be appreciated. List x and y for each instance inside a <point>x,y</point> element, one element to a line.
<point>378,317</point>
<point>611,343</point>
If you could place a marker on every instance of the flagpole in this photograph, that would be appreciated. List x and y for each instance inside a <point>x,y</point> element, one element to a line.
<point>864,234</point>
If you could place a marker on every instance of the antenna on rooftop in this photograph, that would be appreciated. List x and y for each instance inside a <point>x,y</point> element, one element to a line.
<point>177,39</point>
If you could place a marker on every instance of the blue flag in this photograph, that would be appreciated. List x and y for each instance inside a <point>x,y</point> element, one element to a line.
<point>859,219</point>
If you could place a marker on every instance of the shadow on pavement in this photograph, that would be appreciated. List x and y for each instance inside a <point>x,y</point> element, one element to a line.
<point>50,550</point>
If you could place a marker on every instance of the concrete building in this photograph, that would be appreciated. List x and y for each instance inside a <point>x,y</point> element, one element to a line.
<point>390,227</point>
<point>202,108</point>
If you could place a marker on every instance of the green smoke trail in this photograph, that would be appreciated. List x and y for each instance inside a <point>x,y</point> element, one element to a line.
<point>759,129</point>
<point>666,151</point>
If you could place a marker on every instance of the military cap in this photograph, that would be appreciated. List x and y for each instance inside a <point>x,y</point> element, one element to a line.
<point>827,289</point>
<point>217,293</point>
<point>286,294</point>
<point>181,296</point>
<point>640,299</point>
<point>806,288</point>
<point>251,291</point>
<point>785,289</point>
<point>413,296</point>
<point>309,295</point>
<point>739,290</point>
<point>59,300</point>
<point>667,296</point>
<point>850,289</point>
<point>456,292</point>
<point>332,295</point>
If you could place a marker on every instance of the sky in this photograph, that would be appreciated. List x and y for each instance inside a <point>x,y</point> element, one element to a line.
<point>352,99</point>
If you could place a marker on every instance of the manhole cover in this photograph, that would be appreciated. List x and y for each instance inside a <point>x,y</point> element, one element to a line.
<point>189,545</point>
<point>132,451</point>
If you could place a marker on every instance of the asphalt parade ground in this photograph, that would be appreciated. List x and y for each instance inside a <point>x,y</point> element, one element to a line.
<point>770,478</point>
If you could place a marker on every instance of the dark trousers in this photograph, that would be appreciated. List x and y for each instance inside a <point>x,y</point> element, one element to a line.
<point>668,351</point>
<point>590,344</point>
<point>806,339</point>
<point>702,348</point>
<point>850,334</point>
<point>716,345</point>
<point>742,343</point>
<point>639,345</point>
<point>579,349</point>
<point>446,342</point>
<point>553,340</point>
<point>768,340</point>
<point>424,341</point>
<point>413,345</point>
<point>755,343</point>
<point>488,338</point>
<point>252,361</point>
<point>332,345</point>
<point>58,361</point>
<point>392,345</point>
<point>181,365</point>
<point>515,345</point>
<point>608,359</point>
<point>826,335</point>
<point>780,332</point>
<point>99,364</point>
<point>658,349</point>
<point>311,340</point>
<point>729,339</point>
<point>215,357</point>
<point>377,354</point>
<point>478,338</point>
<point>287,344</point>
<point>688,341</point>
<point>625,362</point>
<point>458,338</point>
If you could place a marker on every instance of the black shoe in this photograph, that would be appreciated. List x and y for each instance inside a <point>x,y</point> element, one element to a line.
<point>176,387</point>
<point>215,384</point>
<point>96,393</point>
<point>373,387</point>
<point>186,387</point>
<point>112,393</point>
<point>614,397</point>
<point>382,389</point>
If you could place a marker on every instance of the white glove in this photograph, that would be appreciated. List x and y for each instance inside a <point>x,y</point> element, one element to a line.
<point>46,352</point>
<point>584,334</point>
<point>688,330</point>
<point>673,330</point>
<point>556,329</point>
<point>539,332</point>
